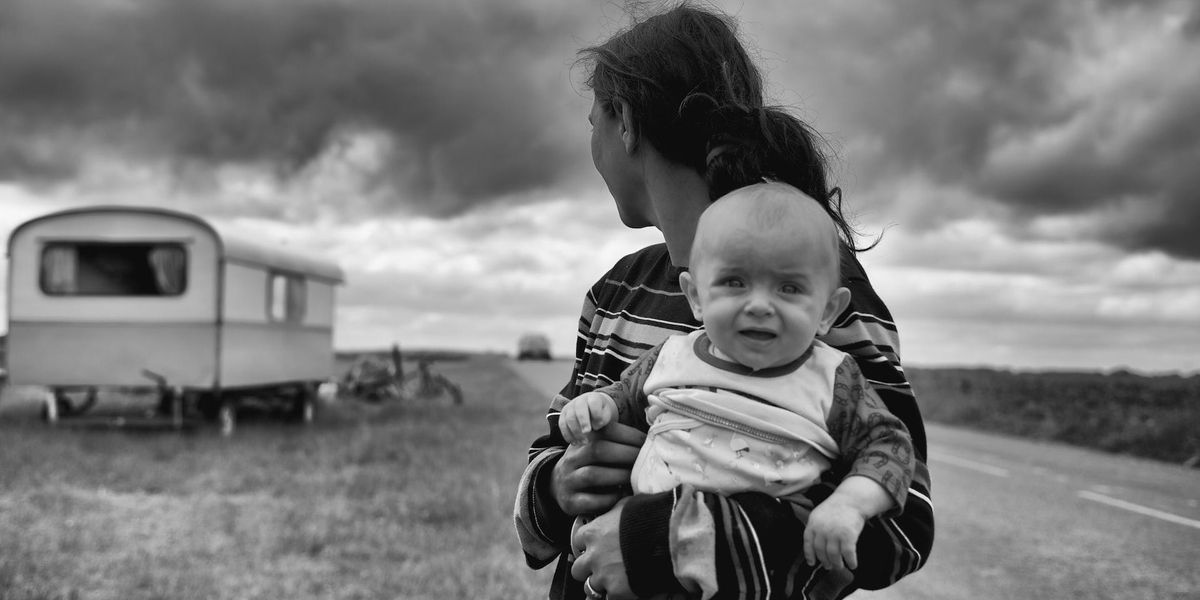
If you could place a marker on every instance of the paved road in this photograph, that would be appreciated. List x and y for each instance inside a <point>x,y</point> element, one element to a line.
<point>1019,519</point>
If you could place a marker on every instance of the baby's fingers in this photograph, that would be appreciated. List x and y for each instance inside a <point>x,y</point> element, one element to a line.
<point>850,556</point>
<point>572,425</point>
<point>601,412</point>
<point>837,554</point>
<point>584,422</point>
<point>827,554</point>
<point>825,550</point>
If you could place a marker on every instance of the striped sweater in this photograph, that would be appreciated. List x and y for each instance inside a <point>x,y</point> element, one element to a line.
<point>634,307</point>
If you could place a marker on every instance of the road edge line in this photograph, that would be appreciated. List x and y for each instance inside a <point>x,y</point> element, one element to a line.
<point>1138,508</point>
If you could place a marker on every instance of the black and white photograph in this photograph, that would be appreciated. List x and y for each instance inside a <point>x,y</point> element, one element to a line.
<point>586,299</point>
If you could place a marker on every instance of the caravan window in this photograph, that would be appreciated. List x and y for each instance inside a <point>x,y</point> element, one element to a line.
<point>113,269</point>
<point>287,299</point>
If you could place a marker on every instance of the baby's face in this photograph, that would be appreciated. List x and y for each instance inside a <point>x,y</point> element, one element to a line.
<point>763,298</point>
<point>763,274</point>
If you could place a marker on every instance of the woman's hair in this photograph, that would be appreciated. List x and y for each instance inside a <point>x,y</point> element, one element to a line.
<point>697,97</point>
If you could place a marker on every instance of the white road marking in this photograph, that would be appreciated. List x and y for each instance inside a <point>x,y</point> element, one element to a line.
<point>1138,508</point>
<point>970,464</point>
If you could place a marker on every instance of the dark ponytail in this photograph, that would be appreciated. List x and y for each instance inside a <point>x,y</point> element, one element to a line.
<point>748,145</point>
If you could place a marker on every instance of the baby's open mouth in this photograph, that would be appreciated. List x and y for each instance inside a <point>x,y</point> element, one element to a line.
<point>758,334</point>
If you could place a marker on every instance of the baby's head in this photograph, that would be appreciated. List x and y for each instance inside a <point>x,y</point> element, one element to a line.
<point>764,274</point>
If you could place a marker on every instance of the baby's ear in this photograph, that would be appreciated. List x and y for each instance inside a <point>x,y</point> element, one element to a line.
<point>692,293</point>
<point>838,301</point>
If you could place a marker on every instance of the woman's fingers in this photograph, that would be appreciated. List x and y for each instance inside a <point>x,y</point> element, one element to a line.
<point>602,451</point>
<point>588,503</point>
<point>581,567</point>
<point>591,477</point>
<point>592,489</point>
<point>625,435</point>
<point>600,479</point>
<point>601,559</point>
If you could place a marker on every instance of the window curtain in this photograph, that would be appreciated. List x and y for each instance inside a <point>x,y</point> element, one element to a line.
<point>59,269</point>
<point>296,299</point>
<point>169,264</point>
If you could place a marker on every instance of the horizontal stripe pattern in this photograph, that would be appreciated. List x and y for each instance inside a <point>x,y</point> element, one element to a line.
<point>620,321</point>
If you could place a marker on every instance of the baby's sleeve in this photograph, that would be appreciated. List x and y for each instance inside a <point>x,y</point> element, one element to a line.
<point>873,442</point>
<point>628,391</point>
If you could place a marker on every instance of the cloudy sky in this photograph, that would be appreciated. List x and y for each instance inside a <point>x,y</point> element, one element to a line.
<point>1033,167</point>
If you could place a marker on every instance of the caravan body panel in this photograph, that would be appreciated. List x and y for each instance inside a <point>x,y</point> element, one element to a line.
<point>257,347</point>
<point>112,354</point>
<point>65,339</point>
<point>241,315</point>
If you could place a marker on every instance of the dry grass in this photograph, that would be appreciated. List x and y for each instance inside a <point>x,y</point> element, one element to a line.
<point>1147,416</point>
<point>399,501</point>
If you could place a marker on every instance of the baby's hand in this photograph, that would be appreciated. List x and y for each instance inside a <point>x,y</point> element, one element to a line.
<point>832,533</point>
<point>584,414</point>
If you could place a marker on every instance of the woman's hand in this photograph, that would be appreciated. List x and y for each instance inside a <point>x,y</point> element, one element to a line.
<point>599,561</point>
<point>590,478</point>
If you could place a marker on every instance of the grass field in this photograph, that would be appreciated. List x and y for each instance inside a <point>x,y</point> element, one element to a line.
<point>1147,416</point>
<point>400,500</point>
<point>409,500</point>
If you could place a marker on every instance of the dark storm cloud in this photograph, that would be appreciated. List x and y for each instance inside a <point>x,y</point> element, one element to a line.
<point>988,96</point>
<point>474,100</point>
<point>470,94</point>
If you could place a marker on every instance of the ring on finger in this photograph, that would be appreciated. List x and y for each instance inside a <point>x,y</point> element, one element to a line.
<point>590,591</point>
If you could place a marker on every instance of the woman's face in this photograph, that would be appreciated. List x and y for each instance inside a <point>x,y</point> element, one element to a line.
<point>616,166</point>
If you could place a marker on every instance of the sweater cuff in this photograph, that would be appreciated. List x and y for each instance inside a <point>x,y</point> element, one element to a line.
<point>646,544</point>
<point>552,522</point>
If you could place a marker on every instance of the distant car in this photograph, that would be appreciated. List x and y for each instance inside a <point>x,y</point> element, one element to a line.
<point>533,346</point>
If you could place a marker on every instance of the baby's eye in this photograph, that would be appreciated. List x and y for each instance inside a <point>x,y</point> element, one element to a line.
<point>732,282</point>
<point>790,288</point>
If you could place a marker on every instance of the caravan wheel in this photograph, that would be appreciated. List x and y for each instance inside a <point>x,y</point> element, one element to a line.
<point>304,403</point>
<point>227,417</point>
<point>309,411</point>
<point>50,407</point>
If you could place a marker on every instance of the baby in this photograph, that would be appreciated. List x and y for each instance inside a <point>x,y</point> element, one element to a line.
<point>753,401</point>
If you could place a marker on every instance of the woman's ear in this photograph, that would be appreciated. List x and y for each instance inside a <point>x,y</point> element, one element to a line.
<point>692,294</point>
<point>629,134</point>
<point>838,301</point>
